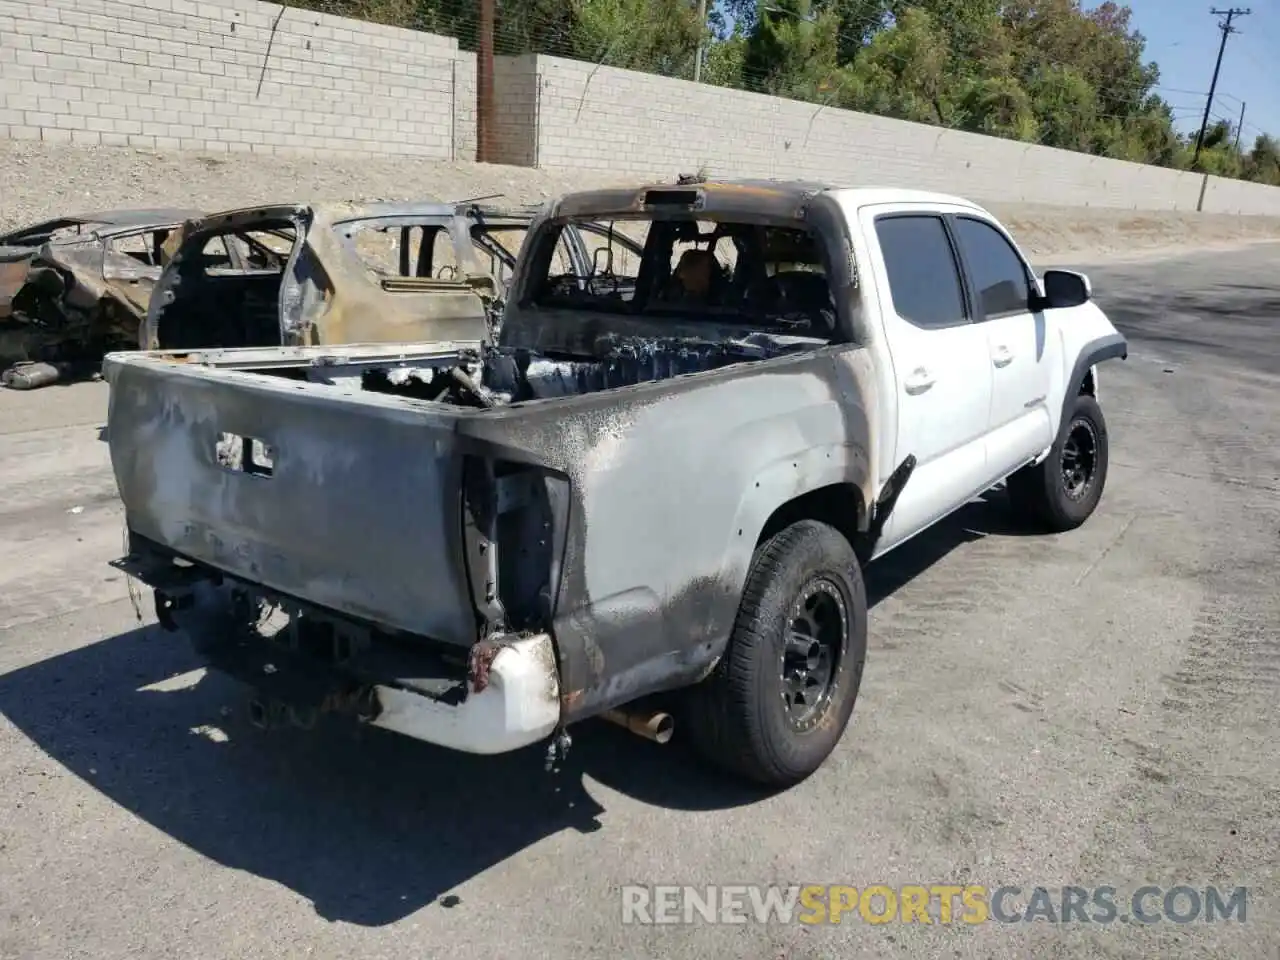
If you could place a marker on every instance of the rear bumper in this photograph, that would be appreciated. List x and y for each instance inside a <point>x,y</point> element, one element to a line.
<point>501,694</point>
<point>518,705</point>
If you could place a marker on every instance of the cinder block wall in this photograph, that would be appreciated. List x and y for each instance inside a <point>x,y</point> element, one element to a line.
<point>245,75</point>
<point>229,75</point>
<point>601,117</point>
<point>1240,196</point>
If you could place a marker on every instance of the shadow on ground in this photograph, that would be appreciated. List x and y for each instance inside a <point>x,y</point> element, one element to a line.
<point>367,825</point>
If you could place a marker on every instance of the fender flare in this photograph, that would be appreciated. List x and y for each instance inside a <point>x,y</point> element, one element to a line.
<point>1111,346</point>
<point>784,480</point>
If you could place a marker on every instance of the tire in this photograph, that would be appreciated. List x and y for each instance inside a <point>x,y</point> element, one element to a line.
<point>740,719</point>
<point>1043,495</point>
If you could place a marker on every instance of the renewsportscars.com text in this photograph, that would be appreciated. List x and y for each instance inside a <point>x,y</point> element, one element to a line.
<point>930,904</point>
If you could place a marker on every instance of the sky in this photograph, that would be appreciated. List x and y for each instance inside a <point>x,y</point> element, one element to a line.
<point>1183,38</point>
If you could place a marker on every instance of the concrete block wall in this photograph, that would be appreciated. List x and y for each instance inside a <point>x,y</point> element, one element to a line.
<point>229,75</point>
<point>245,75</point>
<point>597,117</point>
<point>1240,196</point>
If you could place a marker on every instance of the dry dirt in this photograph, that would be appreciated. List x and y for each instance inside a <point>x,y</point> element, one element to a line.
<point>40,180</point>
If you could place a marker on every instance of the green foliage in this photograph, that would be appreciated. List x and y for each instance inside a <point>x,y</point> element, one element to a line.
<point>1263,164</point>
<point>1040,71</point>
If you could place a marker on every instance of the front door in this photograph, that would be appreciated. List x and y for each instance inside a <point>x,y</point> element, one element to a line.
<point>1020,350</point>
<point>941,368</point>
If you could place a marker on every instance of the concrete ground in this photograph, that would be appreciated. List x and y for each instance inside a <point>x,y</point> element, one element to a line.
<point>1092,709</point>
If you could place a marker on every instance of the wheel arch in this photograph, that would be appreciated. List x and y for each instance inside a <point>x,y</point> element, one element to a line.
<point>1083,378</point>
<point>829,504</point>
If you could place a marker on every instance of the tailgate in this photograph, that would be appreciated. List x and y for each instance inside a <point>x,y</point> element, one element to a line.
<point>350,500</point>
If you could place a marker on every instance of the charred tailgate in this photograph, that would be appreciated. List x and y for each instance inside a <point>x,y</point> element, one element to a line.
<point>346,499</point>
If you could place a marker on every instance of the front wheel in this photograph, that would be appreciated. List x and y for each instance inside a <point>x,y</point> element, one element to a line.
<point>781,697</point>
<point>1062,491</point>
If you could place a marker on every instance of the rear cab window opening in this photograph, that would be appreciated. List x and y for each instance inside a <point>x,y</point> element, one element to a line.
<point>733,272</point>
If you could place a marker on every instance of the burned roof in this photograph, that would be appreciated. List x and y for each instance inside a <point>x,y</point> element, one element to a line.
<point>331,212</point>
<point>137,218</point>
<point>103,222</point>
<point>769,199</point>
<point>749,198</point>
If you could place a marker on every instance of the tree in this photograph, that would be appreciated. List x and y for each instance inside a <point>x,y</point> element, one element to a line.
<point>906,71</point>
<point>791,51</point>
<point>1263,163</point>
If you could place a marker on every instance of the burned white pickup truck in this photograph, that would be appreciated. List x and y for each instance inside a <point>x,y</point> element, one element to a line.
<point>666,475</point>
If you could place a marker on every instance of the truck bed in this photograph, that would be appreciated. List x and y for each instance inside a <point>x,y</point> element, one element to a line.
<point>447,493</point>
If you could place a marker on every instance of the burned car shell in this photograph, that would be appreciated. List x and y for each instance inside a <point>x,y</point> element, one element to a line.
<point>65,289</point>
<point>330,293</point>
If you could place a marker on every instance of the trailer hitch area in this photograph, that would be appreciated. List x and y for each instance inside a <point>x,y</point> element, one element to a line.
<point>268,712</point>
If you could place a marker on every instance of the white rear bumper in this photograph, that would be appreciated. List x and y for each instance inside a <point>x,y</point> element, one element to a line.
<point>519,705</point>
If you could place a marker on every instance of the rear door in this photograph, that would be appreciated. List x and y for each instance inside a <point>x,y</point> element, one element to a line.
<point>941,369</point>
<point>1020,352</point>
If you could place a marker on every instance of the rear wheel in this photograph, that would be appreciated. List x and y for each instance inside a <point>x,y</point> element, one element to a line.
<point>782,695</point>
<point>1062,492</point>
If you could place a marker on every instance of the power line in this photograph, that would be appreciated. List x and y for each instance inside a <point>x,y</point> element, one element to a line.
<point>1227,29</point>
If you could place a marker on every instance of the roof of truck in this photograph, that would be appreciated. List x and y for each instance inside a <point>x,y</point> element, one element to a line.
<point>777,196</point>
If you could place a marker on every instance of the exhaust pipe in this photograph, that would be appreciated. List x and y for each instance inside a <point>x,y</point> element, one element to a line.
<point>657,727</point>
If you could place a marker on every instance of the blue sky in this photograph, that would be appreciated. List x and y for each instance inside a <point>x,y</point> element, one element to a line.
<point>1183,38</point>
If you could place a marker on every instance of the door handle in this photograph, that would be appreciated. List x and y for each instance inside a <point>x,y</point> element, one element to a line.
<point>1002,357</point>
<point>919,381</point>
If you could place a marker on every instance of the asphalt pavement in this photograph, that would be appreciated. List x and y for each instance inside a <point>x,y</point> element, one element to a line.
<point>1094,709</point>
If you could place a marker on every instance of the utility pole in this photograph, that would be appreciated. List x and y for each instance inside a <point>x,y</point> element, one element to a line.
<point>1240,125</point>
<point>1227,29</point>
<point>702,37</point>
<point>484,85</point>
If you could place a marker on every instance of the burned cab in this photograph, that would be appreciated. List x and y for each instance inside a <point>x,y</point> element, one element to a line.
<point>669,288</point>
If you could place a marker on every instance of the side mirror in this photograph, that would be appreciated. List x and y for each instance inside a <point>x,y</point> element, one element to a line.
<point>1065,288</point>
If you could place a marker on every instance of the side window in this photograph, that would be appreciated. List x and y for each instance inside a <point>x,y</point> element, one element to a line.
<point>923,278</point>
<point>139,246</point>
<point>998,272</point>
<point>215,256</point>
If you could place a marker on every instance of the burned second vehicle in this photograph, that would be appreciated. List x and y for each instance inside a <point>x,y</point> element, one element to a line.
<point>75,287</point>
<point>340,273</point>
<point>665,473</point>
